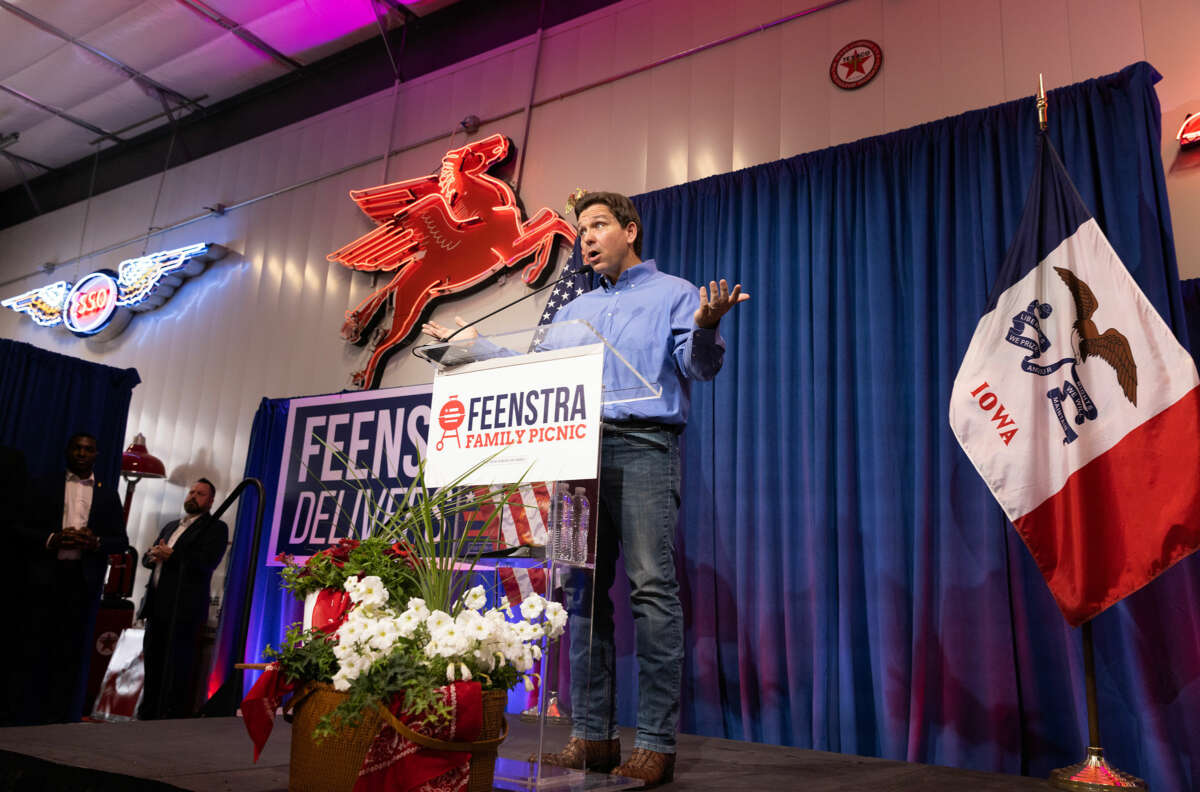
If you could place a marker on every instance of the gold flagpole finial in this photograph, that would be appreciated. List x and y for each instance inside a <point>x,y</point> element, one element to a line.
<point>573,199</point>
<point>1041,104</point>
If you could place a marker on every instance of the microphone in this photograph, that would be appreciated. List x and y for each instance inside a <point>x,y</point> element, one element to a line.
<point>570,273</point>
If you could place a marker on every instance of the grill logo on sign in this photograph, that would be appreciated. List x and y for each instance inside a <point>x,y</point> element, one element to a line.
<point>442,234</point>
<point>450,418</point>
<point>102,301</point>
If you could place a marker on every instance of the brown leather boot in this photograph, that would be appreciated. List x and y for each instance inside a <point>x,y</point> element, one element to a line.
<point>600,756</point>
<point>650,766</point>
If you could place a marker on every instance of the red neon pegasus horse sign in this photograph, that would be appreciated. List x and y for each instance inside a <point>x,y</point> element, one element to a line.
<point>441,234</point>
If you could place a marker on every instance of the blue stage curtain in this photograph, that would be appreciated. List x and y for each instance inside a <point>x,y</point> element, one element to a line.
<point>274,609</point>
<point>46,397</point>
<point>849,582</point>
<point>1190,289</point>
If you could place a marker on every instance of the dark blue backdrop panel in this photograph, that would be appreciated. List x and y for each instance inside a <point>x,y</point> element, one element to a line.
<point>849,582</point>
<point>1191,308</point>
<point>274,608</point>
<point>45,397</point>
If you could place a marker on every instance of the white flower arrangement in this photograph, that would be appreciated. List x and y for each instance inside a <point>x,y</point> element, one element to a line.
<point>473,643</point>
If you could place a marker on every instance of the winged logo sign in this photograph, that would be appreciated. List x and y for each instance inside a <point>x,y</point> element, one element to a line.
<point>102,300</point>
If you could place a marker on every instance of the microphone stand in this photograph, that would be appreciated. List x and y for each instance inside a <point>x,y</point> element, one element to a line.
<point>506,306</point>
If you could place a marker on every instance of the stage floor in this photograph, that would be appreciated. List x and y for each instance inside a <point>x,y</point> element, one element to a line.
<point>211,754</point>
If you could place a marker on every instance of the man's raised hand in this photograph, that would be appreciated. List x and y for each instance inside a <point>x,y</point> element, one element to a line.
<point>716,301</point>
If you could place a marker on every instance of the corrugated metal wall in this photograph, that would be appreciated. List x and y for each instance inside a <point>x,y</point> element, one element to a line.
<point>265,320</point>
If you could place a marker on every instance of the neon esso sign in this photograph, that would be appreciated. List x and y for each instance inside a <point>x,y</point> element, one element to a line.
<point>103,301</point>
<point>90,305</point>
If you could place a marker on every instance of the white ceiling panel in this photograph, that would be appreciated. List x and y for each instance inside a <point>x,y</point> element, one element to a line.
<point>22,45</point>
<point>73,17</point>
<point>119,107</point>
<point>244,11</point>
<point>54,142</point>
<point>309,31</point>
<point>222,68</point>
<point>152,34</point>
<point>16,114</point>
<point>45,81</point>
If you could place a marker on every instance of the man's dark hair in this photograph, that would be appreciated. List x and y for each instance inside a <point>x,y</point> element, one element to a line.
<point>621,207</point>
<point>211,487</point>
<point>77,435</point>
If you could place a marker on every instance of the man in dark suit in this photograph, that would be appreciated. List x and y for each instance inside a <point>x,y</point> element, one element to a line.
<point>74,523</point>
<point>176,604</point>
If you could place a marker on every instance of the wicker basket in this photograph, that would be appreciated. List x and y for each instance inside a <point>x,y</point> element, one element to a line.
<point>483,750</point>
<point>331,765</point>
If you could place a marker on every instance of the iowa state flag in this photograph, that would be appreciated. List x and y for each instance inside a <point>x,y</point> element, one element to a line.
<point>1080,409</point>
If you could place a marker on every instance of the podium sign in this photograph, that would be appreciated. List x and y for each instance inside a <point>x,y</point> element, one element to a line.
<point>541,426</point>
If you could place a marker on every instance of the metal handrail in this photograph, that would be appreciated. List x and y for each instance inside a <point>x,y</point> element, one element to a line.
<point>225,701</point>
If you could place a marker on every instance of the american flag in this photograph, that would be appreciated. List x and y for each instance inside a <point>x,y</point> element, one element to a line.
<point>517,583</point>
<point>523,520</point>
<point>569,287</point>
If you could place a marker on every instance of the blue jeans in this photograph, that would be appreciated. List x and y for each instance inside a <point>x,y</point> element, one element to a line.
<point>638,509</point>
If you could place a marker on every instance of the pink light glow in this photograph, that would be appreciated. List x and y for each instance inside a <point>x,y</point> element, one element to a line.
<point>296,28</point>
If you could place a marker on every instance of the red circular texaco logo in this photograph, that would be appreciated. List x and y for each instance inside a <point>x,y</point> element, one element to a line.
<point>106,642</point>
<point>856,64</point>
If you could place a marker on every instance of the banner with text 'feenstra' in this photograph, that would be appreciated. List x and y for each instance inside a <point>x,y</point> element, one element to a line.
<point>1080,409</point>
<point>529,417</point>
<point>348,460</point>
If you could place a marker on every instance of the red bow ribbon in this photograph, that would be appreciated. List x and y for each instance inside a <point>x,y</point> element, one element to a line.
<point>258,708</point>
<point>330,609</point>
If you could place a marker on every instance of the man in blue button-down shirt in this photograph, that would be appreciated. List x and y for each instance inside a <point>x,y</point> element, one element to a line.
<point>667,330</point>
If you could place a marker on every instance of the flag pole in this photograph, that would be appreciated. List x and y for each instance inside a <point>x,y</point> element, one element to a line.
<point>1041,104</point>
<point>1093,773</point>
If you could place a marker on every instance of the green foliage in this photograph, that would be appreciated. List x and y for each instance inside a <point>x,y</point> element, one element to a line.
<point>401,672</point>
<point>305,656</point>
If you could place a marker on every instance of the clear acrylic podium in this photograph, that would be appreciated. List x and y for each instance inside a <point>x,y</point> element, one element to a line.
<point>533,564</point>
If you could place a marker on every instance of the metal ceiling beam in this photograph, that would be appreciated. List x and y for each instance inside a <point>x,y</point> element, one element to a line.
<point>143,122</point>
<point>213,15</point>
<point>130,72</point>
<point>27,161</point>
<point>63,114</point>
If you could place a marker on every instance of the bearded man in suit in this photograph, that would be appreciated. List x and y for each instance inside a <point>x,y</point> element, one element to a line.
<point>74,523</point>
<point>176,604</point>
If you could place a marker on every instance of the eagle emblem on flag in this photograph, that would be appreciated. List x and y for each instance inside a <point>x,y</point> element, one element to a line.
<point>1111,346</point>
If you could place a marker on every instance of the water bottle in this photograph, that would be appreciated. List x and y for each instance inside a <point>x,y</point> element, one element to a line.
<point>560,520</point>
<point>552,521</point>
<point>582,526</point>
